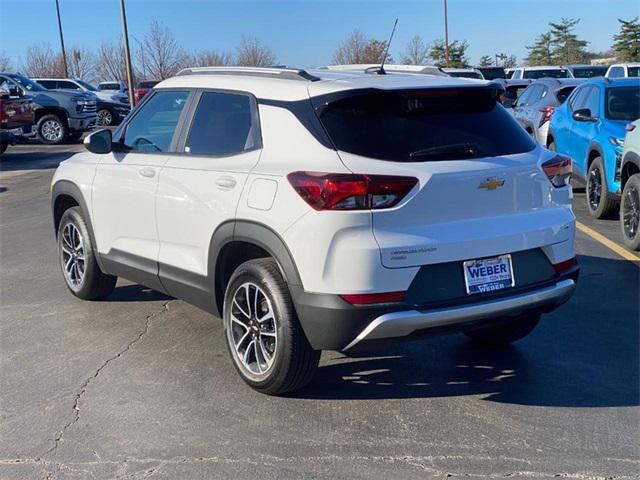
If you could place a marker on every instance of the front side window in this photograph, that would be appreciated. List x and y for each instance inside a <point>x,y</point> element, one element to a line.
<point>422,125</point>
<point>577,98</point>
<point>616,72</point>
<point>223,124</point>
<point>622,103</point>
<point>153,127</point>
<point>48,84</point>
<point>592,101</point>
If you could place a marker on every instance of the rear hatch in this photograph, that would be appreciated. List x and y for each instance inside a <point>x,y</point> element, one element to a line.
<point>480,189</point>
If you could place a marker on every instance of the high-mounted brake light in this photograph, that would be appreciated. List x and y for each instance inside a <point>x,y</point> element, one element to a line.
<point>374,298</point>
<point>348,191</point>
<point>558,170</point>
<point>547,112</point>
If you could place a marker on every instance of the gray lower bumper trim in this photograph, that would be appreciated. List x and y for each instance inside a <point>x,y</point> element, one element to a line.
<point>400,324</point>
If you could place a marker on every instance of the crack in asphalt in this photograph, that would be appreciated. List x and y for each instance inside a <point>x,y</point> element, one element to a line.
<point>85,384</point>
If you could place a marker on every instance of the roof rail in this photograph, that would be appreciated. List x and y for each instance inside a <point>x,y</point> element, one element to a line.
<point>269,72</point>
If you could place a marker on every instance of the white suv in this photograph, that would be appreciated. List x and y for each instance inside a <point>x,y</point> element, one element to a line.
<point>322,210</point>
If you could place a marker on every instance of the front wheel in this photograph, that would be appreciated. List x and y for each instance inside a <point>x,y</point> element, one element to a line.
<point>265,339</point>
<point>105,117</point>
<point>630,213</point>
<point>80,269</point>
<point>600,202</point>
<point>505,333</point>
<point>52,130</point>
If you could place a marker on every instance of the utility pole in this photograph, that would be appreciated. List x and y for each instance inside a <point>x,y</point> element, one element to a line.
<point>64,54</point>
<point>446,35</point>
<point>127,55</point>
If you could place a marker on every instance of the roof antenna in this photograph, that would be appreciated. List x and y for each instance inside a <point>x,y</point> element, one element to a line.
<point>386,52</point>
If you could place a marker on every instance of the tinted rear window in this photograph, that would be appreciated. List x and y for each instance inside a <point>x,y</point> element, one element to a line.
<point>493,73</point>
<point>633,71</point>
<point>423,125</point>
<point>622,103</point>
<point>550,73</point>
<point>465,75</point>
<point>109,86</point>
<point>563,93</point>
<point>588,72</point>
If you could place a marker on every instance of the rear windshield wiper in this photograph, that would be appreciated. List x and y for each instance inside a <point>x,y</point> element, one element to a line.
<point>465,150</point>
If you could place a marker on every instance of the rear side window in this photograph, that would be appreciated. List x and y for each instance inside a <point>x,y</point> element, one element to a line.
<point>616,72</point>
<point>563,93</point>
<point>622,103</point>
<point>67,85</point>
<point>633,71</point>
<point>153,127</point>
<point>224,124</point>
<point>423,125</point>
<point>550,73</point>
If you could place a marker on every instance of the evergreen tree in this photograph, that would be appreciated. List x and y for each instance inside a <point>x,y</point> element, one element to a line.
<point>627,42</point>
<point>541,52</point>
<point>485,61</point>
<point>567,47</point>
<point>457,54</point>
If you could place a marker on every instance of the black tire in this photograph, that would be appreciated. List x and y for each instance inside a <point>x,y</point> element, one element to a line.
<point>74,137</point>
<point>3,147</point>
<point>106,117</point>
<point>293,361</point>
<point>600,203</point>
<point>507,332</point>
<point>93,283</point>
<point>630,213</point>
<point>52,130</point>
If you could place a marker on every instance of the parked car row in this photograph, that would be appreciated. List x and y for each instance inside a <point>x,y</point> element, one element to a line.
<point>60,109</point>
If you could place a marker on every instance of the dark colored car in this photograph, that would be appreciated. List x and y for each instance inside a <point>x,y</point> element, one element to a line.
<point>588,71</point>
<point>142,89</point>
<point>16,116</point>
<point>492,73</point>
<point>512,90</point>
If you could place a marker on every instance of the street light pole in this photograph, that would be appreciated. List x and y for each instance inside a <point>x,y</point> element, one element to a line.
<point>446,35</point>
<point>64,54</point>
<point>127,55</point>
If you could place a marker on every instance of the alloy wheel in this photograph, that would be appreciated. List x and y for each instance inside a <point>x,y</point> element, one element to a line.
<point>252,329</point>
<point>73,255</point>
<point>631,212</point>
<point>594,188</point>
<point>52,131</point>
<point>104,117</point>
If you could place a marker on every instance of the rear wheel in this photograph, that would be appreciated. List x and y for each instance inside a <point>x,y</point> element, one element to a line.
<point>630,213</point>
<point>265,339</point>
<point>600,202</point>
<point>505,333</point>
<point>78,259</point>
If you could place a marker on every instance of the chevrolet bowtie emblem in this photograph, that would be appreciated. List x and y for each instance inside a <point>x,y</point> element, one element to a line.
<point>492,183</point>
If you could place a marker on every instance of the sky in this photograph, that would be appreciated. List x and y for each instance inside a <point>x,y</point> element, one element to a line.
<point>305,33</point>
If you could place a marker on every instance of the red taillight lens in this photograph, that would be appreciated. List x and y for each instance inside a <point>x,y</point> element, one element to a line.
<point>567,264</point>
<point>558,170</point>
<point>546,114</point>
<point>346,191</point>
<point>374,298</point>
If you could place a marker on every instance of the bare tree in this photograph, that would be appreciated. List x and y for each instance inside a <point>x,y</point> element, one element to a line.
<point>5,62</point>
<point>417,52</point>
<point>351,50</point>
<point>208,58</point>
<point>110,63</point>
<point>42,61</point>
<point>253,53</point>
<point>81,64</point>
<point>163,56</point>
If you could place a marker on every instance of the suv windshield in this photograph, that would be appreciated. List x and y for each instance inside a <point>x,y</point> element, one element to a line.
<point>422,125</point>
<point>548,73</point>
<point>589,72</point>
<point>622,103</point>
<point>490,73</point>
<point>86,85</point>
<point>27,83</point>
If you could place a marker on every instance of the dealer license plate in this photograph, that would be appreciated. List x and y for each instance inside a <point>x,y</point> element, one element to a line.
<point>488,274</point>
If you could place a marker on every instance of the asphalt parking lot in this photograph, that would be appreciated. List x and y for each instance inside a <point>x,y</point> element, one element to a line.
<point>140,386</point>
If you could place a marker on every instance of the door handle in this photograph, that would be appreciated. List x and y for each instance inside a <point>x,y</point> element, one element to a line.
<point>147,172</point>
<point>226,182</point>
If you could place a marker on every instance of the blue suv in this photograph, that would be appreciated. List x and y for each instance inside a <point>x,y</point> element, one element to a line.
<point>590,128</point>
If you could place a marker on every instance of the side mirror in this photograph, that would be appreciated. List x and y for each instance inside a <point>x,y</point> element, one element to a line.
<point>99,142</point>
<point>583,115</point>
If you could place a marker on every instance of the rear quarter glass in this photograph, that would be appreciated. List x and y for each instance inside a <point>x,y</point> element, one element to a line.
<point>422,125</point>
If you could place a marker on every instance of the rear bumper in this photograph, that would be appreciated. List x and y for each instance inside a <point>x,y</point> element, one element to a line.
<point>400,324</point>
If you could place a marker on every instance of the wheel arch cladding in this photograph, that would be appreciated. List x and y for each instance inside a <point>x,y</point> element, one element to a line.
<point>631,166</point>
<point>236,242</point>
<point>41,112</point>
<point>594,152</point>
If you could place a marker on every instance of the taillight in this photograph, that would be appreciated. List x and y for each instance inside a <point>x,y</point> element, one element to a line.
<point>546,114</point>
<point>348,191</point>
<point>374,298</point>
<point>558,170</point>
<point>567,264</point>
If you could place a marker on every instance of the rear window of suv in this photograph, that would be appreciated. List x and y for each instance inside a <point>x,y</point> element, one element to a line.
<point>549,73</point>
<point>423,125</point>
